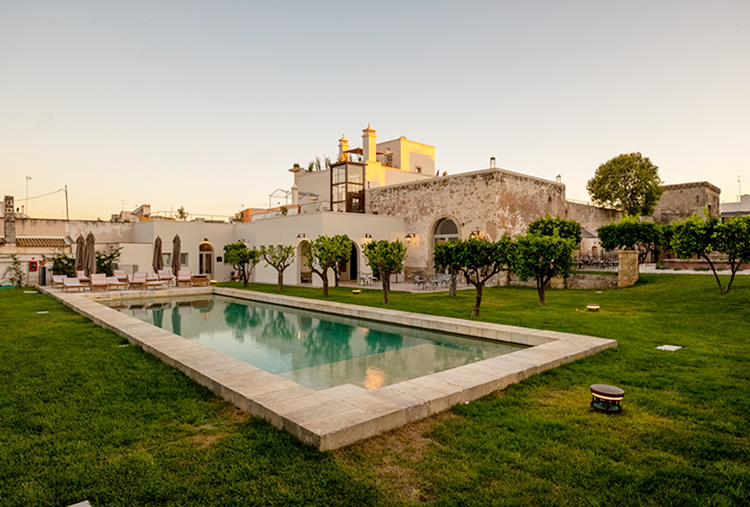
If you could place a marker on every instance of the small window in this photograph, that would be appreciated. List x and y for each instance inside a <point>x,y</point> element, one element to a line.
<point>183,259</point>
<point>418,168</point>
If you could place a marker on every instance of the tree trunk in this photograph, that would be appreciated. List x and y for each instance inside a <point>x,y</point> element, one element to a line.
<point>325,283</point>
<point>281,281</point>
<point>716,275</point>
<point>478,300</point>
<point>454,276</point>
<point>335,275</point>
<point>540,290</point>
<point>734,268</point>
<point>386,286</point>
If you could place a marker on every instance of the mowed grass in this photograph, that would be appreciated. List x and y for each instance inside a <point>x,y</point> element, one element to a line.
<point>83,418</point>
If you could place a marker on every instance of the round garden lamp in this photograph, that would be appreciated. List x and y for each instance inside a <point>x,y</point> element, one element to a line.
<point>606,398</point>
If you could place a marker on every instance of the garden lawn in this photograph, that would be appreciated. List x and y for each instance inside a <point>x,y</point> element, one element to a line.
<point>83,418</point>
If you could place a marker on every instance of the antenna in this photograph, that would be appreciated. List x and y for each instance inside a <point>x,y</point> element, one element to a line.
<point>739,188</point>
<point>27,195</point>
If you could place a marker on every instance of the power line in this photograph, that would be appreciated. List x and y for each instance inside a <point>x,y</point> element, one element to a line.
<point>43,195</point>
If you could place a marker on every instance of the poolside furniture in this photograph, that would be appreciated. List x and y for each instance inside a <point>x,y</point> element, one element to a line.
<point>114,283</point>
<point>164,274</point>
<point>157,284</point>
<point>73,284</point>
<point>137,280</point>
<point>58,280</point>
<point>203,279</point>
<point>184,277</point>
<point>98,281</point>
<point>120,274</point>
<point>606,399</point>
<point>81,275</point>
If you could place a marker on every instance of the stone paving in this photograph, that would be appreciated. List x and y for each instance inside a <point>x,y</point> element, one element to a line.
<point>335,417</point>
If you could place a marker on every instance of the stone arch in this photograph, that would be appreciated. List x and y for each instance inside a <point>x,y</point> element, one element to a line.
<point>436,223</point>
<point>304,274</point>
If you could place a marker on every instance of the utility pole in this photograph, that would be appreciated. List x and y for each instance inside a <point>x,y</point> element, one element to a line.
<point>27,195</point>
<point>67,217</point>
<point>739,188</point>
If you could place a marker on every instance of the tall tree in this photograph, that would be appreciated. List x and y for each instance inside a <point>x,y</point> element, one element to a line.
<point>321,257</point>
<point>542,258</point>
<point>480,260</point>
<point>242,258</point>
<point>388,259</point>
<point>446,258</point>
<point>343,252</point>
<point>629,182</point>
<point>279,258</point>
<point>631,233</point>
<point>734,241</point>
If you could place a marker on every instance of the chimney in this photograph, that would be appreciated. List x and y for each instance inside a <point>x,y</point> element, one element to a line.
<point>343,146</point>
<point>295,189</point>
<point>10,221</point>
<point>368,144</point>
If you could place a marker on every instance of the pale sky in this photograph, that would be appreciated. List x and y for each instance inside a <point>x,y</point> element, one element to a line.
<point>207,104</point>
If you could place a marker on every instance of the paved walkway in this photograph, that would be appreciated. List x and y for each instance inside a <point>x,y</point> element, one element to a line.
<point>651,268</point>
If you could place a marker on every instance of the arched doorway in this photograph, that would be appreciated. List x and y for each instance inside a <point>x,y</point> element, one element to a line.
<point>354,263</point>
<point>445,230</point>
<point>303,254</point>
<point>205,258</point>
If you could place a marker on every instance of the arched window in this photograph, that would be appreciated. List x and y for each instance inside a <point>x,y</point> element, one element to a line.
<point>445,230</point>
<point>205,258</point>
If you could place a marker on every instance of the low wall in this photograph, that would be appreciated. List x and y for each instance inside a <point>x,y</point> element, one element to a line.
<point>693,264</point>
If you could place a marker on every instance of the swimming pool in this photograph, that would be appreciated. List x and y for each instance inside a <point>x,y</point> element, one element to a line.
<point>311,348</point>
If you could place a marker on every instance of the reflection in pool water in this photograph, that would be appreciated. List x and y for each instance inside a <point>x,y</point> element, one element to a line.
<point>313,349</point>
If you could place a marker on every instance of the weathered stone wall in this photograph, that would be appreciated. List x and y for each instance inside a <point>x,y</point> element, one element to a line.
<point>687,199</point>
<point>589,216</point>
<point>627,268</point>
<point>493,202</point>
<point>105,232</point>
<point>574,281</point>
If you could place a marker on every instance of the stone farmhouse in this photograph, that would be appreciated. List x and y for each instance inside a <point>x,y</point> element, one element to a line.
<point>381,190</point>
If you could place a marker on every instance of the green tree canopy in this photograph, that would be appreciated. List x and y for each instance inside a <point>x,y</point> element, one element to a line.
<point>242,258</point>
<point>631,233</point>
<point>279,258</point>
<point>480,260</point>
<point>106,261</point>
<point>629,182</point>
<point>541,258</point>
<point>343,252</point>
<point>548,226</point>
<point>388,259</point>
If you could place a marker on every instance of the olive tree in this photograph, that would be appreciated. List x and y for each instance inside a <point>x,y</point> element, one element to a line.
<point>445,258</point>
<point>242,258</point>
<point>564,228</point>
<point>322,256</point>
<point>387,258</point>
<point>279,258</point>
<point>542,258</point>
<point>629,182</point>
<point>480,260</point>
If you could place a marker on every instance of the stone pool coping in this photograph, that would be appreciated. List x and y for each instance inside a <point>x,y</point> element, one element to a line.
<point>336,417</point>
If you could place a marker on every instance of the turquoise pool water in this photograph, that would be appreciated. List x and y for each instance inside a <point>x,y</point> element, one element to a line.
<point>314,349</point>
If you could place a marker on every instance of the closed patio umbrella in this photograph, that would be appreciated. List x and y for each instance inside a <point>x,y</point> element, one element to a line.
<point>80,253</point>
<point>90,254</point>
<point>176,244</point>
<point>158,261</point>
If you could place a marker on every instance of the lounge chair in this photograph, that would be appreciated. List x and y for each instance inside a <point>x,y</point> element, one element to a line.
<point>73,284</point>
<point>184,277</point>
<point>81,275</point>
<point>98,281</point>
<point>114,283</point>
<point>164,274</point>
<point>157,284</point>
<point>58,280</point>
<point>137,280</point>
<point>120,274</point>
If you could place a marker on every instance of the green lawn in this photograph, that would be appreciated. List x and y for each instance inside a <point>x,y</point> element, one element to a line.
<point>83,418</point>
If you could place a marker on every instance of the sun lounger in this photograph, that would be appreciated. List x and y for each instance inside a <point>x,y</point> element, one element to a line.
<point>120,274</point>
<point>157,284</point>
<point>201,280</point>
<point>137,280</point>
<point>81,275</point>
<point>73,284</point>
<point>58,280</point>
<point>184,277</point>
<point>98,281</point>
<point>114,283</point>
<point>164,274</point>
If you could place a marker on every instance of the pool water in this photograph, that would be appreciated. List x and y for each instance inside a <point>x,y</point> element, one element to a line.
<point>317,350</point>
